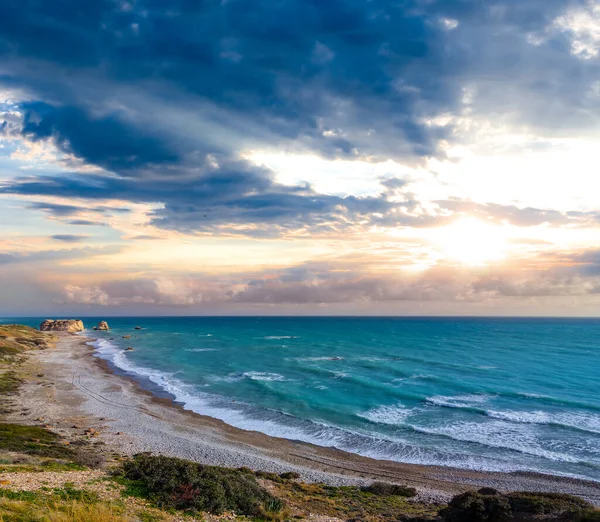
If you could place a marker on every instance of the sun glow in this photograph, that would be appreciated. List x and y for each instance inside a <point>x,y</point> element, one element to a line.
<point>472,242</point>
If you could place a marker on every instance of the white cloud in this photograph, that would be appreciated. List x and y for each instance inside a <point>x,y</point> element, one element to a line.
<point>584,27</point>
<point>85,295</point>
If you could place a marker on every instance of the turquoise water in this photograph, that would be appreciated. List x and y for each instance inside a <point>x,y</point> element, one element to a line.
<point>493,394</point>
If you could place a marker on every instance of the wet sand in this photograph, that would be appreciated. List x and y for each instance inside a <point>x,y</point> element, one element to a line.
<point>68,386</point>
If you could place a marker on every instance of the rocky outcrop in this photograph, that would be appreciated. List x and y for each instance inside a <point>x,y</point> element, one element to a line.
<point>103,325</point>
<point>62,325</point>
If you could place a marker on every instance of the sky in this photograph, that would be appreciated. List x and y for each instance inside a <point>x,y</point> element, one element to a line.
<point>300,157</point>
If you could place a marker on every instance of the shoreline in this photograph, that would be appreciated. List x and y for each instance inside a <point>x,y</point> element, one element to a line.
<point>80,389</point>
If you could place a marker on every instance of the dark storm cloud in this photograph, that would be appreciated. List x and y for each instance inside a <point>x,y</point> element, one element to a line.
<point>61,211</point>
<point>339,78</point>
<point>103,141</point>
<point>238,196</point>
<point>235,194</point>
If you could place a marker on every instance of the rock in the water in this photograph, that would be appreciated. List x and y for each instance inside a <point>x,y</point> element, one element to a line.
<point>138,328</point>
<point>103,325</point>
<point>62,325</point>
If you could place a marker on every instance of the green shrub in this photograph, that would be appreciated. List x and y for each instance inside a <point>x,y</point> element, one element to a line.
<point>184,485</point>
<point>475,507</point>
<point>546,503</point>
<point>274,505</point>
<point>290,475</point>
<point>488,506</point>
<point>385,489</point>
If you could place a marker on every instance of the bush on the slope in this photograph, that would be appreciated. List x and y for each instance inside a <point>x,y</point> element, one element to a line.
<point>486,505</point>
<point>189,486</point>
<point>385,489</point>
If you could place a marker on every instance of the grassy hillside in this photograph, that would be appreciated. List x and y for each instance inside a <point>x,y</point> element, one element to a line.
<point>16,339</point>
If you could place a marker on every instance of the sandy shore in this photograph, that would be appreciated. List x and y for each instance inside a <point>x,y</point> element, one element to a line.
<point>68,386</point>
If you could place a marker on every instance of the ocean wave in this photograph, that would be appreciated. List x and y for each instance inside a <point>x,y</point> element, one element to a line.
<point>392,415</point>
<point>279,337</point>
<point>497,434</point>
<point>576,420</point>
<point>459,401</point>
<point>264,376</point>
<point>201,350</point>
<point>315,359</point>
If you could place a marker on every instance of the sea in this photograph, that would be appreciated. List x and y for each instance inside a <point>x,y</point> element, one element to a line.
<point>498,394</point>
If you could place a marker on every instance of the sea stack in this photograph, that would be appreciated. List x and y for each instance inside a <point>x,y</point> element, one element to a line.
<point>62,325</point>
<point>103,325</point>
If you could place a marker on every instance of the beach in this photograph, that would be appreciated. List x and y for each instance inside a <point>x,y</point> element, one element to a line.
<point>70,391</point>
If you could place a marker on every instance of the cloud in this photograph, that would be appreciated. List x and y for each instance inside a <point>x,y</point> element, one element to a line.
<point>350,280</point>
<point>69,238</point>
<point>85,295</point>
<point>45,256</point>
<point>60,210</point>
<point>163,97</point>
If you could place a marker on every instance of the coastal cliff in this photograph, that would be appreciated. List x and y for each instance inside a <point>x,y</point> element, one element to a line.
<point>62,325</point>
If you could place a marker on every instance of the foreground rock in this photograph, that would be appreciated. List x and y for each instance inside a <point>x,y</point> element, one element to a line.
<point>62,325</point>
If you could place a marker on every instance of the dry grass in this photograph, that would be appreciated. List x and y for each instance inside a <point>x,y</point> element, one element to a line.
<point>56,511</point>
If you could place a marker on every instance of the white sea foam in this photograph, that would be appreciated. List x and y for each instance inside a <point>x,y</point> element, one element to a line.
<point>264,376</point>
<point>578,420</point>
<point>201,350</point>
<point>459,401</point>
<point>316,359</point>
<point>497,434</point>
<point>393,415</point>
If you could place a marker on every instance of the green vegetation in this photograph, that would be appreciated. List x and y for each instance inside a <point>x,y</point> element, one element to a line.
<point>161,489</point>
<point>352,502</point>
<point>32,448</point>
<point>488,505</point>
<point>188,486</point>
<point>60,505</point>
<point>384,489</point>
<point>9,383</point>
<point>33,440</point>
<point>16,339</point>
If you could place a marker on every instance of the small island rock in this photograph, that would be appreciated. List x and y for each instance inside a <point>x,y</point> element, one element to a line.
<point>62,325</point>
<point>103,325</point>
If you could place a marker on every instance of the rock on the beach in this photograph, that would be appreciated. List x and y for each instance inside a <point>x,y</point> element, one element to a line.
<point>62,325</point>
<point>103,325</point>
